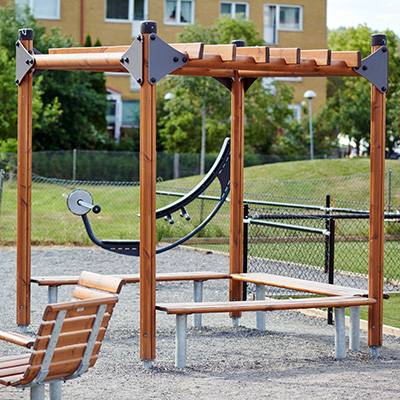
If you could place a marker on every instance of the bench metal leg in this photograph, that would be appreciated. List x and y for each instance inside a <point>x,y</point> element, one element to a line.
<point>53,294</point>
<point>180,345</point>
<point>340,333</point>
<point>55,390</point>
<point>235,321</point>
<point>260,315</point>
<point>354,335</point>
<point>198,298</point>
<point>375,351</point>
<point>37,392</point>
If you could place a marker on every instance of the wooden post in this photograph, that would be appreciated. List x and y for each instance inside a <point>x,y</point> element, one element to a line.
<point>24,190</point>
<point>377,192</point>
<point>147,204</point>
<point>236,211</point>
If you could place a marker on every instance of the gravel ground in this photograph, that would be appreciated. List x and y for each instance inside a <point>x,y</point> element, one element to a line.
<point>293,359</point>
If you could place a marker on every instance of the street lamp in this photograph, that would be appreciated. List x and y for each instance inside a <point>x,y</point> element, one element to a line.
<point>310,94</point>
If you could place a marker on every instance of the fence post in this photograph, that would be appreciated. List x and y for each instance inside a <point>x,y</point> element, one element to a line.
<point>327,205</point>
<point>2,174</point>
<point>74,165</point>
<point>245,247</point>
<point>389,189</point>
<point>331,263</point>
<point>176,165</point>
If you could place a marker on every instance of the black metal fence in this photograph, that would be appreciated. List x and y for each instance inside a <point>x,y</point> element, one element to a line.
<point>317,243</point>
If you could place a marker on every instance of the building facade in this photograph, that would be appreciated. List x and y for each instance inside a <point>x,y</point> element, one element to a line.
<point>283,23</point>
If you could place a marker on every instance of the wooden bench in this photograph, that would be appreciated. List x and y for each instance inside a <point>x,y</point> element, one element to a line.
<point>54,282</point>
<point>181,310</point>
<point>68,340</point>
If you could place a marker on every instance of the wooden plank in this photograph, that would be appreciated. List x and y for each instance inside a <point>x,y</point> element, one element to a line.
<point>267,305</point>
<point>12,380</point>
<point>73,324</point>
<point>68,339</point>
<point>299,284</point>
<point>236,203</point>
<point>377,208</point>
<point>101,282</point>
<point>148,176</point>
<point>227,52</point>
<point>289,55</point>
<point>83,293</point>
<point>50,314</point>
<point>259,54</point>
<point>12,361</point>
<point>321,57</point>
<point>17,338</point>
<point>194,51</point>
<point>24,193</point>
<point>351,58</point>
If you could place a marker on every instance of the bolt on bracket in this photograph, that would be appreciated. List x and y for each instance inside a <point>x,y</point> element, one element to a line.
<point>132,59</point>
<point>163,59</point>
<point>24,62</point>
<point>375,68</point>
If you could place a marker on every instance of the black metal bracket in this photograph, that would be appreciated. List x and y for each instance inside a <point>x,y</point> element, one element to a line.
<point>163,59</point>
<point>24,61</point>
<point>375,68</point>
<point>132,59</point>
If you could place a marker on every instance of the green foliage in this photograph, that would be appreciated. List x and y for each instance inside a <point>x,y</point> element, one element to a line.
<point>349,98</point>
<point>69,108</point>
<point>180,122</point>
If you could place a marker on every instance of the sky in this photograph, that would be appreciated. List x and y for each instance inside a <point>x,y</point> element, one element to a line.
<point>377,14</point>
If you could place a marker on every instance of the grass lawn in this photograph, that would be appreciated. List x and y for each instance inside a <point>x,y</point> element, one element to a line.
<point>391,311</point>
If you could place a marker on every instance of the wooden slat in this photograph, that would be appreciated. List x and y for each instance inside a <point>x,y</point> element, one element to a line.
<point>77,312</point>
<point>14,370</point>
<point>227,52</point>
<point>351,58</point>
<point>13,358</point>
<point>73,324</point>
<point>84,293</point>
<point>321,57</point>
<point>16,338</point>
<point>64,353</point>
<point>193,50</point>
<point>260,54</point>
<point>68,339</point>
<point>134,278</point>
<point>267,305</point>
<point>290,55</point>
<point>11,380</point>
<point>299,284</point>
<point>14,361</point>
<point>101,282</point>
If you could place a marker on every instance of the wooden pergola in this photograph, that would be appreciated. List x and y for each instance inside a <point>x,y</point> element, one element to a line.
<point>149,59</point>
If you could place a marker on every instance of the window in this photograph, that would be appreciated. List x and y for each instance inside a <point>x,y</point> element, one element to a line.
<point>281,18</point>
<point>130,113</point>
<point>234,9</point>
<point>179,12</point>
<point>42,9</point>
<point>126,10</point>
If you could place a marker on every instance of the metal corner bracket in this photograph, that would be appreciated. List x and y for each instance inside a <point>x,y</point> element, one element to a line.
<point>163,59</point>
<point>375,68</point>
<point>131,60</point>
<point>24,61</point>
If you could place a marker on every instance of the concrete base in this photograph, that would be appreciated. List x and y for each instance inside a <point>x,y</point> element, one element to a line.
<point>147,364</point>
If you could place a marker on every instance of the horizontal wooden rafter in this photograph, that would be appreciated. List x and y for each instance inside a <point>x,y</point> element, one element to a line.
<point>351,58</point>
<point>260,54</point>
<point>321,57</point>
<point>227,52</point>
<point>290,55</point>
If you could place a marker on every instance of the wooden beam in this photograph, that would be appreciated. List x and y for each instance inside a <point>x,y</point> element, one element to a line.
<point>351,58</point>
<point>290,55</point>
<point>259,54</point>
<point>321,57</point>
<point>24,182</point>
<point>236,203</point>
<point>377,208</point>
<point>227,52</point>
<point>147,210</point>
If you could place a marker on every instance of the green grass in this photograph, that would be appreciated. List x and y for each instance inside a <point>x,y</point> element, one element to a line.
<point>391,311</point>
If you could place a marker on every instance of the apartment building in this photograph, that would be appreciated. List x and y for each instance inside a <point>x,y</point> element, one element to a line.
<point>283,23</point>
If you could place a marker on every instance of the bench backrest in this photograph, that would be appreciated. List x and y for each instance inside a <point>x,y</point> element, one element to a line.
<point>70,336</point>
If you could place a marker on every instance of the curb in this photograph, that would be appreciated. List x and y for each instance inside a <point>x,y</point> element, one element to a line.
<point>387,330</point>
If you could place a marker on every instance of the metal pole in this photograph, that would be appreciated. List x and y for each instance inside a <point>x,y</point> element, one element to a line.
<point>311,131</point>
<point>327,204</point>
<point>74,165</point>
<point>331,264</point>
<point>2,174</point>
<point>389,189</point>
<point>245,248</point>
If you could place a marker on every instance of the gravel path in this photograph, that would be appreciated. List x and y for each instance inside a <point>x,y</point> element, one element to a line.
<point>293,359</point>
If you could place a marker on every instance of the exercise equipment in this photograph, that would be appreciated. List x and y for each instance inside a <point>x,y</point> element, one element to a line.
<point>80,202</point>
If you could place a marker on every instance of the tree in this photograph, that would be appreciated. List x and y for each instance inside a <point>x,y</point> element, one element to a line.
<point>194,98</point>
<point>69,108</point>
<point>349,98</point>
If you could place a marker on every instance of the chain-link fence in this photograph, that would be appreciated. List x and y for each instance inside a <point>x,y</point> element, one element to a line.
<point>52,223</point>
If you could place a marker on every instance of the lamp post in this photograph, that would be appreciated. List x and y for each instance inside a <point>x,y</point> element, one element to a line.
<point>310,94</point>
